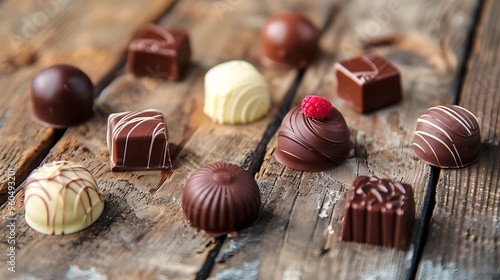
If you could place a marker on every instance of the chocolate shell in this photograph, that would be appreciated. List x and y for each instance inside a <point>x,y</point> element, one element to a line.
<point>236,93</point>
<point>61,197</point>
<point>221,198</point>
<point>289,40</point>
<point>379,212</point>
<point>308,144</point>
<point>447,136</point>
<point>159,52</point>
<point>61,96</point>
<point>138,141</point>
<point>368,83</point>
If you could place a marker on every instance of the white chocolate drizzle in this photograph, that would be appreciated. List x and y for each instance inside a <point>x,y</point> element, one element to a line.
<point>452,127</point>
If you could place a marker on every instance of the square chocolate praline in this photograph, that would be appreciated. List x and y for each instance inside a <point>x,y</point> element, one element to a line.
<point>159,52</point>
<point>368,83</point>
<point>379,212</point>
<point>138,141</point>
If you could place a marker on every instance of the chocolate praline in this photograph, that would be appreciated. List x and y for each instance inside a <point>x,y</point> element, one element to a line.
<point>61,96</point>
<point>368,83</point>
<point>447,136</point>
<point>61,197</point>
<point>159,52</point>
<point>308,144</point>
<point>236,93</point>
<point>138,141</point>
<point>221,198</point>
<point>380,212</point>
<point>289,40</point>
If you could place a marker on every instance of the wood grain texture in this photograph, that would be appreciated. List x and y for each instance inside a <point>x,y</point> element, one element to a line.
<point>142,221</point>
<point>464,234</point>
<point>141,233</point>
<point>90,35</point>
<point>298,235</point>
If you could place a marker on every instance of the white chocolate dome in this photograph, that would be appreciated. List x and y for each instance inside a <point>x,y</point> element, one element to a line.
<point>61,197</point>
<point>235,93</point>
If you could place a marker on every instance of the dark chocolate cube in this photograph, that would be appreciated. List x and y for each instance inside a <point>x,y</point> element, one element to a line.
<point>138,141</point>
<point>380,212</point>
<point>159,52</point>
<point>368,82</point>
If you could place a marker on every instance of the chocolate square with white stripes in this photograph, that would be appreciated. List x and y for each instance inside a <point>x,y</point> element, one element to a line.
<point>138,141</point>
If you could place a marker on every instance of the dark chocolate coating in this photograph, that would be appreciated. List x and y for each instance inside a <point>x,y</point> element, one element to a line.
<point>159,52</point>
<point>221,198</point>
<point>61,96</point>
<point>138,141</point>
<point>289,40</point>
<point>308,144</point>
<point>368,83</point>
<point>380,212</point>
<point>447,136</point>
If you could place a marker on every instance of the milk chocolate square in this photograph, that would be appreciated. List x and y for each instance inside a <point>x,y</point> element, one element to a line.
<point>138,141</point>
<point>368,83</point>
<point>380,212</point>
<point>159,52</point>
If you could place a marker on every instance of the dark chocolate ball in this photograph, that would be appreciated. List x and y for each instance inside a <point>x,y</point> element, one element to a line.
<point>289,40</point>
<point>61,96</point>
<point>221,198</point>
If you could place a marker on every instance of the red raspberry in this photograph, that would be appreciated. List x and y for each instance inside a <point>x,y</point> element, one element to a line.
<point>316,107</point>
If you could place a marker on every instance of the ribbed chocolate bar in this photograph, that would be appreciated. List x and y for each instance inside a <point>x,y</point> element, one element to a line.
<point>380,212</point>
<point>138,141</point>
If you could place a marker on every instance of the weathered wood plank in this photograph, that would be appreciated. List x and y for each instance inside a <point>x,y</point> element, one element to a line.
<point>38,34</point>
<point>464,234</point>
<point>298,235</point>
<point>142,220</point>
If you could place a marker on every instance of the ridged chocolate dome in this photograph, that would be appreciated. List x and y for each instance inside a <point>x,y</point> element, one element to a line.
<point>221,198</point>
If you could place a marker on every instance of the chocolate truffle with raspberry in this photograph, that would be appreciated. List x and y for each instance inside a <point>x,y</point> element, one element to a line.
<point>313,136</point>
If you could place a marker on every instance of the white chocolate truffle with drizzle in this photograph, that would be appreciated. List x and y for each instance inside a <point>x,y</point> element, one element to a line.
<point>236,93</point>
<point>61,197</point>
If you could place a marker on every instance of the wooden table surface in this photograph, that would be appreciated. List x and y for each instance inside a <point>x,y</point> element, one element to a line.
<point>447,51</point>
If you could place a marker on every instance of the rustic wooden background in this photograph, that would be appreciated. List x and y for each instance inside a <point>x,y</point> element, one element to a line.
<point>447,52</point>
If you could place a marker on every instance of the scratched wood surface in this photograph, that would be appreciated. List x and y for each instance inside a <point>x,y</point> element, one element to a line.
<point>142,220</point>
<point>299,237</point>
<point>465,229</point>
<point>37,34</point>
<point>141,233</point>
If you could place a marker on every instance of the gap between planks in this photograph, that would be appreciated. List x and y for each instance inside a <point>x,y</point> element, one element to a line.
<point>429,194</point>
<point>254,161</point>
<point>429,204</point>
<point>57,134</point>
